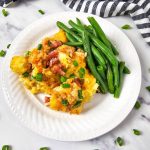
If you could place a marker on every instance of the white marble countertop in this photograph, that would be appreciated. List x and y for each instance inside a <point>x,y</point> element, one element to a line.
<point>12,132</point>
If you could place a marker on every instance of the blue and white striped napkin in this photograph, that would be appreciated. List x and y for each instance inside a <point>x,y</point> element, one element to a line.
<point>139,10</point>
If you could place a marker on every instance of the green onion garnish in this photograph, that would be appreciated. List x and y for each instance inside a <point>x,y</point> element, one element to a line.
<point>80,94</point>
<point>63,79</point>
<point>6,147</point>
<point>64,102</point>
<point>44,148</point>
<point>2,53</point>
<point>26,74</point>
<point>41,12</point>
<point>77,104</point>
<point>136,132</point>
<point>72,75</point>
<point>119,141</point>
<point>39,47</point>
<point>39,77</point>
<point>148,88</point>
<point>66,85</point>
<point>137,105</point>
<point>126,27</point>
<point>75,63</point>
<point>8,46</point>
<point>81,72</point>
<point>5,13</point>
<point>27,53</point>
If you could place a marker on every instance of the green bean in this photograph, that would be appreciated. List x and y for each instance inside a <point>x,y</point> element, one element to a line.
<point>99,31</point>
<point>101,71</point>
<point>114,49</point>
<point>110,80</point>
<point>98,56</point>
<point>126,70</point>
<point>75,26</point>
<point>74,43</point>
<point>79,22</point>
<point>70,37</point>
<point>118,90</point>
<point>116,75</point>
<point>6,147</point>
<point>66,29</point>
<point>90,62</point>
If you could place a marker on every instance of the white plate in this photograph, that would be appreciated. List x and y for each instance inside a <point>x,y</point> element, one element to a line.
<point>101,115</point>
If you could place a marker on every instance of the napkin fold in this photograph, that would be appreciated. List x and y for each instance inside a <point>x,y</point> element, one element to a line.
<point>139,10</point>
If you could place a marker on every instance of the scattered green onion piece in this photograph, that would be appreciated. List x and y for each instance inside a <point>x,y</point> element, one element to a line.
<point>81,72</point>
<point>148,88</point>
<point>137,105</point>
<point>44,148</point>
<point>77,104</point>
<point>64,102</point>
<point>8,46</point>
<point>66,85</point>
<point>49,43</point>
<point>27,53</point>
<point>72,75</point>
<point>119,141</point>
<point>80,94</point>
<point>39,77</point>
<point>5,13</point>
<point>75,63</point>
<point>39,47</point>
<point>136,132</point>
<point>26,74</point>
<point>6,147</point>
<point>41,12</point>
<point>126,27</point>
<point>2,53</point>
<point>63,79</point>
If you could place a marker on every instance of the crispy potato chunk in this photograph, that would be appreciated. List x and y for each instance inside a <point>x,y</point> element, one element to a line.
<point>61,36</point>
<point>19,64</point>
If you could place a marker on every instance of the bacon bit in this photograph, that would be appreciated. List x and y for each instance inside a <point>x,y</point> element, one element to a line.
<point>53,61</point>
<point>52,54</point>
<point>79,81</point>
<point>58,70</point>
<point>54,84</point>
<point>55,44</point>
<point>46,99</point>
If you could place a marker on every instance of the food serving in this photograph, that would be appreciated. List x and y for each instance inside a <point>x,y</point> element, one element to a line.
<point>71,66</point>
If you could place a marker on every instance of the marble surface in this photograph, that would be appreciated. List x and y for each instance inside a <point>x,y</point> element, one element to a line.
<point>12,132</point>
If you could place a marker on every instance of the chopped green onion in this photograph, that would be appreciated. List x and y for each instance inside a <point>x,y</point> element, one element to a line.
<point>64,102</point>
<point>80,94</point>
<point>2,53</point>
<point>126,27</point>
<point>39,47</point>
<point>8,46</point>
<point>148,88</point>
<point>27,53</point>
<point>41,12</point>
<point>81,72</point>
<point>63,79</point>
<point>77,104</point>
<point>136,132</point>
<point>5,13</point>
<point>72,75</point>
<point>49,43</point>
<point>66,85</point>
<point>39,77</point>
<point>75,63</point>
<point>119,141</point>
<point>6,147</point>
<point>26,74</point>
<point>44,148</point>
<point>137,105</point>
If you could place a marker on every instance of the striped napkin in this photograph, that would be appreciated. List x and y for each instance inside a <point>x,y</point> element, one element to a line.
<point>5,3</point>
<point>139,10</point>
